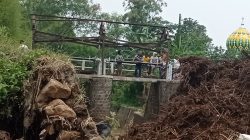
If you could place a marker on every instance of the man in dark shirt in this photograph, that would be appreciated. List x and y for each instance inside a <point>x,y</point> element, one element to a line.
<point>138,60</point>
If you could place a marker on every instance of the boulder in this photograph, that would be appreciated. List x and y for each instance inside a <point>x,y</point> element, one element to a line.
<point>55,90</point>
<point>58,107</point>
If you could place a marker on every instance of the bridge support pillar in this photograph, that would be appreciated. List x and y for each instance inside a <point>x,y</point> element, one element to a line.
<point>158,95</point>
<point>152,105</point>
<point>100,100</point>
<point>166,90</point>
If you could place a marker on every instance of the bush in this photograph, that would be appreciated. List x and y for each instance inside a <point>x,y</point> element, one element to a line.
<point>126,94</point>
<point>14,68</point>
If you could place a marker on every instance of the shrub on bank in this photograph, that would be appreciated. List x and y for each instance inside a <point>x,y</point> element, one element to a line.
<point>15,65</point>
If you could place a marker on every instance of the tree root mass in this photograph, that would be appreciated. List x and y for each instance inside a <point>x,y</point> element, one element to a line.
<point>212,103</point>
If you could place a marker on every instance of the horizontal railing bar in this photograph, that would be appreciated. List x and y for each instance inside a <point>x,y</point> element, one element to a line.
<point>93,20</point>
<point>81,60</point>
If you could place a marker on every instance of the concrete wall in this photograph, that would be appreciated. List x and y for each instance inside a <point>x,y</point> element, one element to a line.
<point>159,94</point>
<point>100,102</point>
<point>153,103</point>
<point>166,90</point>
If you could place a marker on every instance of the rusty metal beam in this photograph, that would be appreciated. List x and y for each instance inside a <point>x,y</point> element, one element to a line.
<point>87,41</point>
<point>94,20</point>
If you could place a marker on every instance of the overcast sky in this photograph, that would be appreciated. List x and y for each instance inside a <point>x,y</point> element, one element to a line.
<point>221,17</point>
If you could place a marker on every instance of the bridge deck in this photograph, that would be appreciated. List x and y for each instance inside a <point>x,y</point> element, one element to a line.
<point>121,78</point>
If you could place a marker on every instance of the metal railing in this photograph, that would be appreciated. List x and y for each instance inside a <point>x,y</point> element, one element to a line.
<point>95,64</point>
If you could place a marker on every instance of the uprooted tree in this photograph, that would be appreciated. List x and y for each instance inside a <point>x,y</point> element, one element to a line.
<point>54,105</point>
<point>211,103</point>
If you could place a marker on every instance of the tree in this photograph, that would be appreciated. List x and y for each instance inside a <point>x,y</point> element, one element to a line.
<point>65,8</point>
<point>11,17</point>
<point>215,52</point>
<point>143,11</point>
<point>72,8</point>
<point>69,8</point>
<point>194,39</point>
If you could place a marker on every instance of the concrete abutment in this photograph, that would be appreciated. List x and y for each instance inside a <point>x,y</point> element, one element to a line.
<point>100,98</point>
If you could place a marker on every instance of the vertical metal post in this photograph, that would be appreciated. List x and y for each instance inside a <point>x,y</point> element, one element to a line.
<point>33,28</point>
<point>83,64</point>
<point>102,57</point>
<point>179,32</point>
<point>102,37</point>
<point>169,72</point>
<point>112,67</point>
<point>104,67</point>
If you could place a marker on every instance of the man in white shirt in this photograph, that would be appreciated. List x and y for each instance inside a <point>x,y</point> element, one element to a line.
<point>119,60</point>
<point>153,60</point>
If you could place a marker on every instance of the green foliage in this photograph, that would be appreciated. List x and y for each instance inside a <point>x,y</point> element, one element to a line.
<point>72,49</point>
<point>69,8</point>
<point>143,11</point>
<point>14,68</point>
<point>11,17</point>
<point>215,52</point>
<point>232,54</point>
<point>126,93</point>
<point>218,53</point>
<point>74,8</point>
<point>194,39</point>
<point>12,75</point>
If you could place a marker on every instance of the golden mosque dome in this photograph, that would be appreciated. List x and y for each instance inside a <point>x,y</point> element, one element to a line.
<point>239,39</point>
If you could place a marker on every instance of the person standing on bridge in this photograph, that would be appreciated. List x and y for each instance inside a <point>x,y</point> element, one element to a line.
<point>138,63</point>
<point>165,60</point>
<point>146,60</point>
<point>154,60</point>
<point>119,60</point>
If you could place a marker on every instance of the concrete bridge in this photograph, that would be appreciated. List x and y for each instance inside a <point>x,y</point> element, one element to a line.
<point>100,87</point>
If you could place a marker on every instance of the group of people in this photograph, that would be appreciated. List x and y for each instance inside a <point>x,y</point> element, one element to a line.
<point>151,63</point>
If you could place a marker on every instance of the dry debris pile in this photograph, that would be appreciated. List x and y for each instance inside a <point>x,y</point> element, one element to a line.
<point>54,106</point>
<point>212,103</point>
<point>4,135</point>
